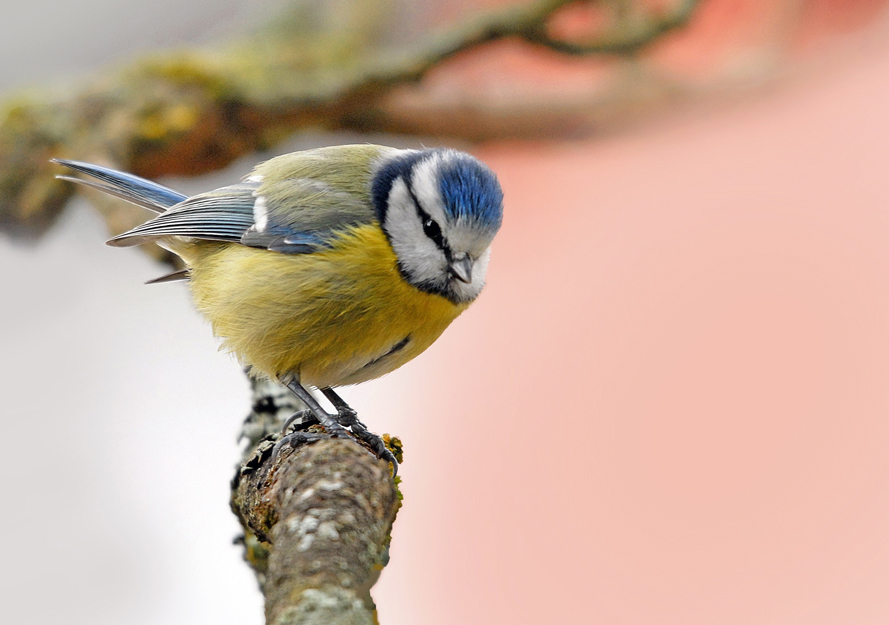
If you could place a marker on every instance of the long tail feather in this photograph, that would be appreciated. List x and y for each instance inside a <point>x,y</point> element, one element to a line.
<point>181,274</point>
<point>115,192</point>
<point>144,193</point>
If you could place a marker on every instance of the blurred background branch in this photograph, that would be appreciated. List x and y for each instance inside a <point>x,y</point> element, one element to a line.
<point>319,65</point>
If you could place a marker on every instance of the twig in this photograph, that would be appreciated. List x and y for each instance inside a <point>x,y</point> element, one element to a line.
<point>629,36</point>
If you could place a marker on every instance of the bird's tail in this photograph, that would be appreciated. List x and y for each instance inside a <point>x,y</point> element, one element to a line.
<point>141,192</point>
<point>145,193</point>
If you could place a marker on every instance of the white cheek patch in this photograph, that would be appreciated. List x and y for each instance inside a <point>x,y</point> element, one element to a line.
<point>480,269</point>
<point>417,254</point>
<point>260,214</point>
<point>401,217</point>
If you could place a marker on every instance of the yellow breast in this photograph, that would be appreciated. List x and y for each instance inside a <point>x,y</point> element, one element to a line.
<point>339,316</point>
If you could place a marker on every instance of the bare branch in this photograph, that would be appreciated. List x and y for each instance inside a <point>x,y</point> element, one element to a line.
<point>193,112</point>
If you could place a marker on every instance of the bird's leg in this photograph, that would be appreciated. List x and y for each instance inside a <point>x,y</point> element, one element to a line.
<point>334,424</point>
<point>329,421</point>
<point>347,417</point>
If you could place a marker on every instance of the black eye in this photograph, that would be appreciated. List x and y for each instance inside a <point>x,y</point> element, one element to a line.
<point>433,231</point>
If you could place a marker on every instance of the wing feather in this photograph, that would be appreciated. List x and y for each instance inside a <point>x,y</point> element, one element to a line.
<point>221,215</point>
<point>292,204</point>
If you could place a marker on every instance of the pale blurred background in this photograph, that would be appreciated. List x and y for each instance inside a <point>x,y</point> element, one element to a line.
<point>668,407</point>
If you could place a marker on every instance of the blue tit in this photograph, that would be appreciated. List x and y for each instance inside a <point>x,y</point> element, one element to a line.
<point>327,267</point>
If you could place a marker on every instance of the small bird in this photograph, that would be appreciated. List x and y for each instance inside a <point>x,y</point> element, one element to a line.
<point>326,267</point>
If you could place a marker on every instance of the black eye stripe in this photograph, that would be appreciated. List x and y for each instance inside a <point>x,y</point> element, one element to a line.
<point>430,227</point>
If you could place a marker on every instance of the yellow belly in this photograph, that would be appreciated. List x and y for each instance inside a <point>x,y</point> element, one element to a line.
<point>331,318</point>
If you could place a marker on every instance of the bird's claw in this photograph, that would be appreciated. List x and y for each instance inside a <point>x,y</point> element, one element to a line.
<point>292,440</point>
<point>376,444</point>
<point>347,417</point>
<point>305,417</point>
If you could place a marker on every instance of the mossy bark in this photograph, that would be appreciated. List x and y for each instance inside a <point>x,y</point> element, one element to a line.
<point>318,521</point>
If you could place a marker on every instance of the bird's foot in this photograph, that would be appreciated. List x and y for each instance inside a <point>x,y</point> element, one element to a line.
<point>347,417</point>
<point>336,429</point>
<point>376,444</point>
<point>299,422</point>
<point>305,418</point>
<point>334,424</point>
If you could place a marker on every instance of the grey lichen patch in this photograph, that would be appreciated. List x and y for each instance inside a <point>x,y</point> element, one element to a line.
<point>327,531</point>
<point>329,485</point>
<point>302,525</point>
<point>328,606</point>
<point>306,543</point>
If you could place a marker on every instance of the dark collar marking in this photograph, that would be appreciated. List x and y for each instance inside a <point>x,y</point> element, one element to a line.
<point>400,345</point>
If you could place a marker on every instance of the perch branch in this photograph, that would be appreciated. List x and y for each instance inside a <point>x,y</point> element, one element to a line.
<point>317,518</point>
<point>317,524</point>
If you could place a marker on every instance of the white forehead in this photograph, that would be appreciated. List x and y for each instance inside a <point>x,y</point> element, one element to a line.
<point>426,183</point>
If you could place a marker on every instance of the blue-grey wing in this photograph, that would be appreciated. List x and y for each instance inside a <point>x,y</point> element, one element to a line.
<point>292,216</point>
<point>221,215</point>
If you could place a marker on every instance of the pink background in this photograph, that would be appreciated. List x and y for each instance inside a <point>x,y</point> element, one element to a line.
<point>670,404</point>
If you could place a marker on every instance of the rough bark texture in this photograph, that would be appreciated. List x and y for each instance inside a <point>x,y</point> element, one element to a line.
<point>317,521</point>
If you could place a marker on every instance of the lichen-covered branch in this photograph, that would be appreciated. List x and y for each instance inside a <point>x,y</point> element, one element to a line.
<point>190,112</point>
<point>317,520</point>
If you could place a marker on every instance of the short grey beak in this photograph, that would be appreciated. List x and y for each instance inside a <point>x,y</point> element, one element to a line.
<point>462,269</point>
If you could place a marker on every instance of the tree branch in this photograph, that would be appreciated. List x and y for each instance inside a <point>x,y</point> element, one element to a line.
<point>191,112</point>
<point>319,522</point>
<point>317,519</point>
<point>629,35</point>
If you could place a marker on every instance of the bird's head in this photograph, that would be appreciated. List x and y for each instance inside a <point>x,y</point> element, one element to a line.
<point>440,210</point>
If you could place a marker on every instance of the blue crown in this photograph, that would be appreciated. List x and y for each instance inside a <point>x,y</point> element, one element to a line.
<point>471,192</point>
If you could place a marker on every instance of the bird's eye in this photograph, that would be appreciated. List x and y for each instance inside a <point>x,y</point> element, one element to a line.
<point>433,231</point>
